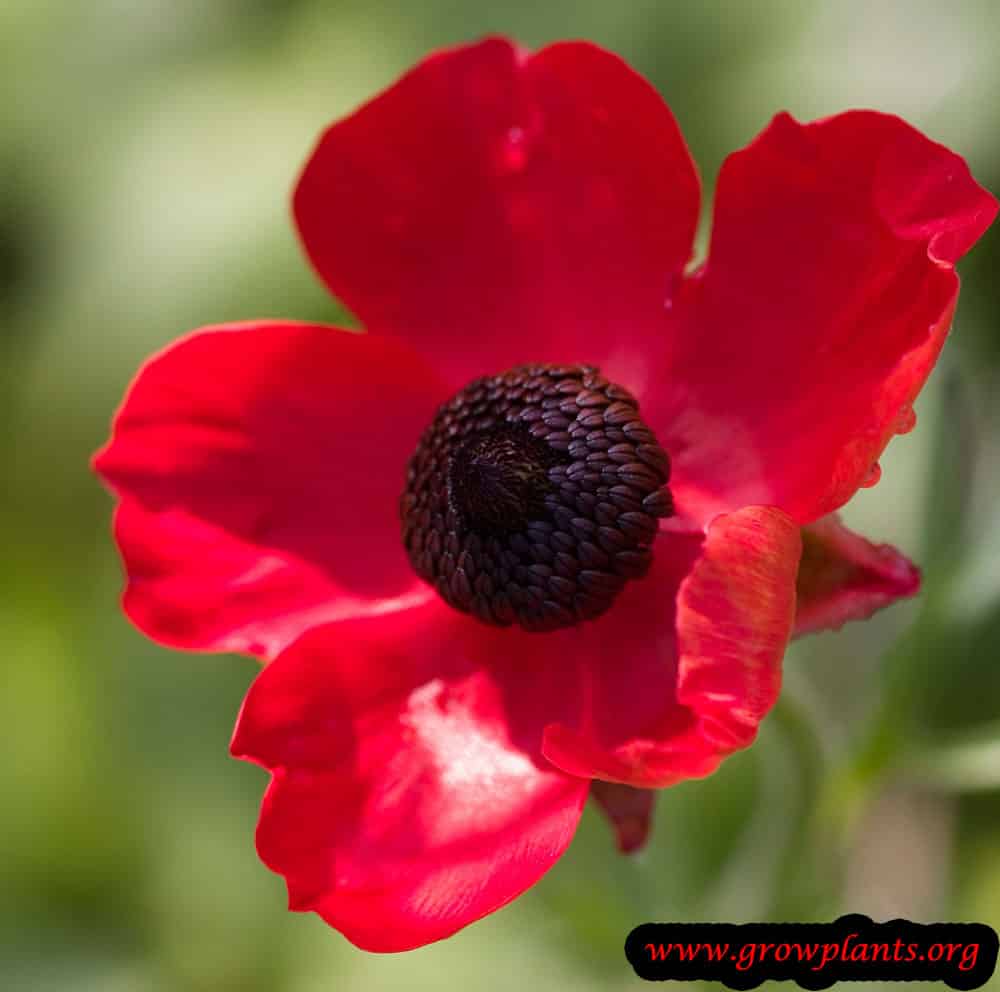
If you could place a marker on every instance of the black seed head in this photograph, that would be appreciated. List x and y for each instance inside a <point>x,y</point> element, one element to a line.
<point>534,495</point>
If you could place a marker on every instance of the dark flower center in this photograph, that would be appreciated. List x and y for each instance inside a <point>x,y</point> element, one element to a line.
<point>534,496</point>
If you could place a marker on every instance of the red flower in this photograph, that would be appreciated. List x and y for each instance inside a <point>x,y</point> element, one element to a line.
<point>491,209</point>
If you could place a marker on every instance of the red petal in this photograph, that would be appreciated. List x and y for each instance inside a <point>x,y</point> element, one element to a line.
<point>686,690</point>
<point>259,468</point>
<point>407,799</point>
<point>628,810</point>
<point>410,795</point>
<point>826,298</point>
<point>497,208</point>
<point>843,577</point>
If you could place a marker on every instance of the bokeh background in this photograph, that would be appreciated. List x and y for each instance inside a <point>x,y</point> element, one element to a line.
<point>147,148</point>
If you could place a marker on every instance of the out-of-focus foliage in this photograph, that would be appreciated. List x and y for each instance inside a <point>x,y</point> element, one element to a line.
<point>146,151</point>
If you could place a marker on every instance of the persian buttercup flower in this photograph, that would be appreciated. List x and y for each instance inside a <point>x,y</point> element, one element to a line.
<point>553,518</point>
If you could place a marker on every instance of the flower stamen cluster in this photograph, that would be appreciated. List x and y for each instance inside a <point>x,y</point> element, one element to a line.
<point>534,496</point>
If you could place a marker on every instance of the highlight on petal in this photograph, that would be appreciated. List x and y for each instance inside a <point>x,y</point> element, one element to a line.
<point>407,799</point>
<point>629,811</point>
<point>843,577</point>
<point>712,673</point>
<point>829,288</point>
<point>258,468</point>
<point>497,207</point>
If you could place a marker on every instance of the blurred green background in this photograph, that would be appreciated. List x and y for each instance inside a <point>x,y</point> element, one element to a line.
<point>147,149</point>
